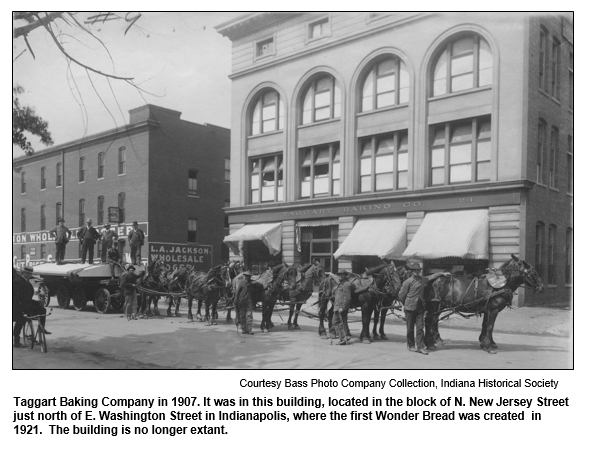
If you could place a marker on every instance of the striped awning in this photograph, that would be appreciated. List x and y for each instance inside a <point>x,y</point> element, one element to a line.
<point>269,233</point>
<point>462,233</point>
<point>381,237</point>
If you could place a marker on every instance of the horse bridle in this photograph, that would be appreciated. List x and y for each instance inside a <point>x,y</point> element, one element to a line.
<point>530,275</point>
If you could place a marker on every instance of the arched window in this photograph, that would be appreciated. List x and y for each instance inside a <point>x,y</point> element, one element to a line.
<point>23,182</point>
<point>386,84</point>
<point>23,220</point>
<point>81,212</point>
<point>58,213</point>
<point>555,73</point>
<point>543,36</point>
<point>551,254</point>
<point>322,101</point>
<point>43,218</point>
<point>121,204</point>
<point>82,171</point>
<point>100,210</point>
<point>101,158</point>
<point>464,63</point>
<point>539,247</point>
<point>58,180</point>
<point>268,113</point>
<point>43,180</point>
<point>541,146</point>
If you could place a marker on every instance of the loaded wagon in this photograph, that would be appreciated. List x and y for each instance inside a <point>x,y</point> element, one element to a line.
<point>80,283</point>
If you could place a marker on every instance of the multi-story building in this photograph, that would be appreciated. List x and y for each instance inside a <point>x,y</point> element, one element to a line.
<point>169,175</point>
<point>443,137</point>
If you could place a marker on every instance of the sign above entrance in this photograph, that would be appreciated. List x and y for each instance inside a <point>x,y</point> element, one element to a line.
<point>175,255</point>
<point>336,208</point>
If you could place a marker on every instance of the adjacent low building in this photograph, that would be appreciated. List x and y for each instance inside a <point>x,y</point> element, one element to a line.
<point>444,137</point>
<point>168,174</point>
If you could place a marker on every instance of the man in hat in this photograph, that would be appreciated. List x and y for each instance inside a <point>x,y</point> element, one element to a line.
<point>113,258</point>
<point>243,302</point>
<point>128,282</point>
<point>23,303</point>
<point>411,295</point>
<point>136,238</point>
<point>88,236</point>
<point>62,236</point>
<point>342,299</point>
<point>107,237</point>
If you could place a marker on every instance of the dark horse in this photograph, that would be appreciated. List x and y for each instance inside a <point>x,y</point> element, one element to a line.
<point>205,287</point>
<point>154,283</point>
<point>476,296</point>
<point>228,272</point>
<point>386,299</point>
<point>311,275</point>
<point>368,291</point>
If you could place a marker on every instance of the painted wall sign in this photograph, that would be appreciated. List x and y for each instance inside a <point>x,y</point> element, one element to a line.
<point>44,236</point>
<point>175,255</point>
<point>371,207</point>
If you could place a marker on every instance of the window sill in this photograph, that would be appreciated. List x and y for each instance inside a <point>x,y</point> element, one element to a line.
<point>551,286</point>
<point>554,189</point>
<point>194,196</point>
<point>81,182</point>
<point>121,174</point>
<point>379,110</point>
<point>570,194</point>
<point>571,111</point>
<point>460,93</point>
<point>42,189</point>
<point>265,134</point>
<point>100,178</point>
<point>556,101</point>
<point>23,192</point>
<point>58,186</point>
<point>569,286</point>
<point>544,93</point>
<point>541,185</point>
<point>317,123</point>
<point>264,57</point>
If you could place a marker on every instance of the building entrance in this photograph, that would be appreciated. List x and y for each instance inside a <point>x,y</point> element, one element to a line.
<point>320,242</point>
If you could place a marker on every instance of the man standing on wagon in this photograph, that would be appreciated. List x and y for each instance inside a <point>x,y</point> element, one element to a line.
<point>107,237</point>
<point>88,236</point>
<point>136,238</point>
<point>62,237</point>
<point>412,297</point>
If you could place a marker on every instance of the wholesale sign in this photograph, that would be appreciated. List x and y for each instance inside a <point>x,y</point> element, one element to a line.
<point>175,255</point>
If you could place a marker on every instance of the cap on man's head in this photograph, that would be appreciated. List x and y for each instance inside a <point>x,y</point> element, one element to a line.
<point>341,271</point>
<point>135,223</point>
<point>107,225</point>
<point>89,220</point>
<point>28,269</point>
<point>130,268</point>
<point>413,266</point>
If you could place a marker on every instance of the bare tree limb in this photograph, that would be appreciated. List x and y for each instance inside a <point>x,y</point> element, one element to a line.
<point>40,22</point>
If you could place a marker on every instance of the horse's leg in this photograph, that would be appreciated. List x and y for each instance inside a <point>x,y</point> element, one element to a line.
<point>199,304</point>
<point>382,315</point>
<point>493,313</point>
<point>376,314</point>
<point>271,308</point>
<point>291,310</point>
<point>169,310</point>
<point>177,306</point>
<point>366,311</point>
<point>155,300</point>
<point>431,325</point>
<point>331,322</point>
<point>190,307</point>
<point>297,309</point>
<point>228,318</point>
<point>214,301</point>
<point>484,329</point>
<point>263,324</point>
<point>322,315</point>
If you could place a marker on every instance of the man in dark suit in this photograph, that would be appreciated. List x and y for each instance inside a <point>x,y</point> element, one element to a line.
<point>88,236</point>
<point>136,238</point>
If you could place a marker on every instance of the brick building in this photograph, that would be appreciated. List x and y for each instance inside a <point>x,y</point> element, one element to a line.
<point>446,137</point>
<point>168,174</point>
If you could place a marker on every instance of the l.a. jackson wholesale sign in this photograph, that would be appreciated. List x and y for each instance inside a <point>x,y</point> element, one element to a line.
<point>122,231</point>
<point>175,255</point>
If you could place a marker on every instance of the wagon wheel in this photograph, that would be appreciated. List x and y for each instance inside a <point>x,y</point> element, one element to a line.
<point>79,298</point>
<point>63,297</point>
<point>43,294</point>
<point>102,300</point>
<point>117,301</point>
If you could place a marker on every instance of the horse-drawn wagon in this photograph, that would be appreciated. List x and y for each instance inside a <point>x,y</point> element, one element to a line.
<point>79,283</point>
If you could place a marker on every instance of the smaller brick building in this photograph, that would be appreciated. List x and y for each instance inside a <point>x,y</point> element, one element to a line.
<point>168,174</point>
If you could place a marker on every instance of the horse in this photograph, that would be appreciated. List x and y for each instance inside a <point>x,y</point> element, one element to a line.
<point>205,287</point>
<point>476,296</point>
<point>311,275</point>
<point>367,290</point>
<point>154,280</point>
<point>386,300</point>
<point>228,272</point>
<point>175,285</point>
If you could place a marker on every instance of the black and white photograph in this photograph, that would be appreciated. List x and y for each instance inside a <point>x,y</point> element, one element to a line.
<point>293,191</point>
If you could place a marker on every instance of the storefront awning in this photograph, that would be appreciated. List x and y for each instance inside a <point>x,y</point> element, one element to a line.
<point>269,233</point>
<point>463,234</point>
<point>381,237</point>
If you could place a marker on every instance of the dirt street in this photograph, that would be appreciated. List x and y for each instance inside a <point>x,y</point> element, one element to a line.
<point>88,340</point>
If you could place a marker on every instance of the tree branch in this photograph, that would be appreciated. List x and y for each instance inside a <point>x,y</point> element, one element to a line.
<point>41,22</point>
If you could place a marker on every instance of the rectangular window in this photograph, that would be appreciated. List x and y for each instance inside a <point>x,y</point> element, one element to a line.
<point>23,220</point>
<point>101,158</point>
<point>192,182</point>
<point>318,29</point>
<point>82,171</point>
<point>192,230</point>
<point>43,251</point>
<point>539,246</point>
<point>23,182</point>
<point>122,160</point>
<point>265,47</point>
<point>43,218</point>
<point>553,157</point>
<point>570,164</point>
<point>121,205</point>
<point>551,256</point>
<point>384,162</point>
<point>461,152</point>
<point>569,255</point>
<point>227,170</point>
<point>81,212</point>
<point>542,59</point>
<point>43,179</point>
<point>320,171</point>
<point>58,179</point>
<point>100,210</point>
<point>58,213</point>
<point>23,252</point>
<point>541,153</point>
<point>555,75</point>
<point>266,179</point>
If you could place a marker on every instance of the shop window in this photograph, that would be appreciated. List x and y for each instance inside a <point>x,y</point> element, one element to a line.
<point>23,220</point>
<point>122,160</point>
<point>100,210</point>
<point>384,162</point>
<point>43,218</point>
<point>539,248</point>
<point>58,175</point>
<point>386,84</point>
<point>464,63</point>
<point>541,137</point>
<point>227,163</point>
<point>543,36</point>
<point>553,151</point>
<point>322,101</point>
<point>320,243</point>
<point>101,160</point>
<point>192,230</point>
<point>82,170</point>
<point>569,255</point>
<point>121,206</point>
<point>551,254</point>
<point>192,182</point>
<point>266,179</point>
<point>58,212</point>
<point>81,212</point>
<point>43,179</point>
<point>570,164</point>
<point>23,182</point>
<point>555,73</point>
<point>268,113</point>
<point>460,152</point>
<point>320,171</point>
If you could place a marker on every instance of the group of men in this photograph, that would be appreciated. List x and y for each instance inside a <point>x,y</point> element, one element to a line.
<point>23,303</point>
<point>88,236</point>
